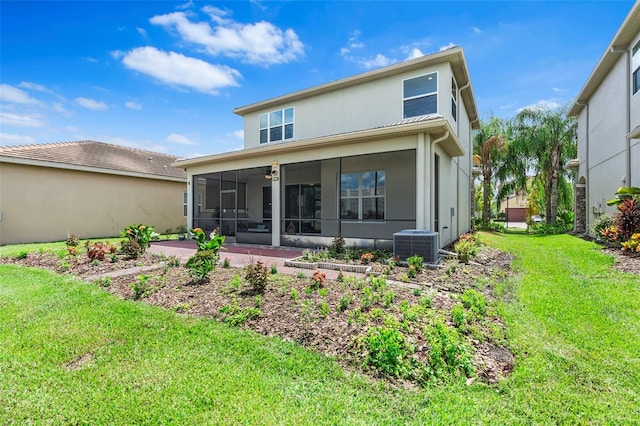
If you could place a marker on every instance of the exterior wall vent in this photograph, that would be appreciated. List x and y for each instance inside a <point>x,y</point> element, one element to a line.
<point>409,242</point>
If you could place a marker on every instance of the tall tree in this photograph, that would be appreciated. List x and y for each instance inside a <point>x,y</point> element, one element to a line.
<point>548,137</point>
<point>488,143</point>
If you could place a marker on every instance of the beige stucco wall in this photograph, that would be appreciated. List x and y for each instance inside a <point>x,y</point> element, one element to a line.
<point>602,145</point>
<point>41,204</point>
<point>364,106</point>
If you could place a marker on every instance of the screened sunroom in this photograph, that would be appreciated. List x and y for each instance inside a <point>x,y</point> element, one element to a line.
<point>364,198</point>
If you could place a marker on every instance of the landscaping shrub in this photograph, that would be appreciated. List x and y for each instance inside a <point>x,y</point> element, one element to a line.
<point>318,279</point>
<point>602,222</point>
<point>206,258</point>
<point>201,264</point>
<point>632,245</point>
<point>466,247</point>
<point>257,275</point>
<point>416,264</point>
<point>141,287</point>
<point>337,247</point>
<point>237,316</point>
<point>140,234</point>
<point>387,351</point>
<point>628,218</point>
<point>72,241</point>
<point>130,248</point>
<point>449,355</point>
<point>98,250</point>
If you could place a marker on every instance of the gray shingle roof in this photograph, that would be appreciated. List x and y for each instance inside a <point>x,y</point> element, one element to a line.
<point>98,155</point>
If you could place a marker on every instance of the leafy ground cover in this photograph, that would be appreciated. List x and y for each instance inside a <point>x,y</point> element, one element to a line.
<point>72,353</point>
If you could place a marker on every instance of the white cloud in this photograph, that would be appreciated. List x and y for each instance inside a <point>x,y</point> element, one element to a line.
<point>257,43</point>
<point>415,53</point>
<point>89,59</point>
<point>91,104</point>
<point>541,105</point>
<point>133,105</point>
<point>7,138</point>
<point>180,139</point>
<point>239,134</point>
<point>142,32</point>
<point>448,46</point>
<point>378,61</point>
<point>477,30</point>
<point>176,69</point>
<point>16,120</point>
<point>558,90</point>
<point>12,94</point>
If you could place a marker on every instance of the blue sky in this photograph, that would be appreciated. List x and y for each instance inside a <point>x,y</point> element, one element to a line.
<point>165,76</point>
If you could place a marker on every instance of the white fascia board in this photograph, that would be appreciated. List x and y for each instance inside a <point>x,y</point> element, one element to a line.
<point>436,127</point>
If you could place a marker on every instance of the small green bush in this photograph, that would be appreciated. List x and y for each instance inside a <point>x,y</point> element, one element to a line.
<point>141,287</point>
<point>344,303</point>
<point>201,264</point>
<point>387,351</point>
<point>237,316</point>
<point>257,275</point>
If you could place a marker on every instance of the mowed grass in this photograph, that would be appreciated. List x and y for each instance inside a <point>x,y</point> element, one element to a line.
<point>72,353</point>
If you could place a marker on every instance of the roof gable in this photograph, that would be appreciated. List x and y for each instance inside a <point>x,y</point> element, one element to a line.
<point>100,156</point>
<point>454,56</point>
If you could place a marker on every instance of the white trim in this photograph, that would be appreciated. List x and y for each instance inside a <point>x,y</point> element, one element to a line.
<point>423,95</point>
<point>66,166</point>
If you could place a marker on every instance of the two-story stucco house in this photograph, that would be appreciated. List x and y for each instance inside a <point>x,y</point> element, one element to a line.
<point>362,157</point>
<point>608,112</point>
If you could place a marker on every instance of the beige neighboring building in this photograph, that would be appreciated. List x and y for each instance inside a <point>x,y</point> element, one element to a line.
<point>364,157</point>
<point>608,112</point>
<point>89,189</point>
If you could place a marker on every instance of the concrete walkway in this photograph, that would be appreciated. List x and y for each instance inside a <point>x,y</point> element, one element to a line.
<point>240,255</point>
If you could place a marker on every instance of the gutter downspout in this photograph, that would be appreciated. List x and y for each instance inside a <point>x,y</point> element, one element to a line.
<point>431,160</point>
<point>587,201</point>
<point>472,201</point>
<point>627,97</point>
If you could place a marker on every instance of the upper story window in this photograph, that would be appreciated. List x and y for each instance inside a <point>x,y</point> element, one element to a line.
<point>454,99</point>
<point>276,125</point>
<point>420,95</point>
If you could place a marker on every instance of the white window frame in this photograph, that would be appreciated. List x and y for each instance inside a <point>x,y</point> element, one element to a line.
<point>422,95</point>
<point>359,196</point>
<point>454,98</point>
<point>635,68</point>
<point>185,204</point>
<point>268,126</point>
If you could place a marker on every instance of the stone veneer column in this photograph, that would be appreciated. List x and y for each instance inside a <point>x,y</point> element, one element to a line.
<point>581,209</point>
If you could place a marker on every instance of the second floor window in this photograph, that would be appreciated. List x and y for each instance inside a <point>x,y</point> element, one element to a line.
<point>276,125</point>
<point>420,95</point>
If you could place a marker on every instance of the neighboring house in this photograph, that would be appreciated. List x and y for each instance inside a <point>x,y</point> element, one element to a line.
<point>515,206</point>
<point>87,188</point>
<point>608,111</point>
<point>362,157</point>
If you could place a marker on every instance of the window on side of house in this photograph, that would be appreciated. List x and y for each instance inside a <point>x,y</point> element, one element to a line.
<point>420,95</point>
<point>276,125</point>
<point>363,195</point>
<point>184,204</point>
<point>635,65</point>
<point>454,99</point>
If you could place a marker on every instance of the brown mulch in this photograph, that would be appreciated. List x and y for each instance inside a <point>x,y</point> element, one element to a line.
<point>624,262</point>
<point>290,309</point>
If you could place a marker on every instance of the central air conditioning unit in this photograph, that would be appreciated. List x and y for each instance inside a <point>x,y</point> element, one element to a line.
<point>423,243</point>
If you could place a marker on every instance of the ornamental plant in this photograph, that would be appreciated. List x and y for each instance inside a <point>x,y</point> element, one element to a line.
<point>366,258</point>
<point>206,258</point>
<point>632,245</point>
<point>140,234</point>
<point>628,218</point>
<point>318,279</point>
<point>98,250</point>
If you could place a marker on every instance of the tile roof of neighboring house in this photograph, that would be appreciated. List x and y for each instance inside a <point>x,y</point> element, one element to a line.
<point>97,155</point>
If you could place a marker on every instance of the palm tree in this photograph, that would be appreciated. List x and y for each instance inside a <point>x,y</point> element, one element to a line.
<point>548,138</point>
<point>488,143</point>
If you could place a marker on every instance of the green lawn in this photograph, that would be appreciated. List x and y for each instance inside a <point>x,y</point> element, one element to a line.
<point>72,353</point>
